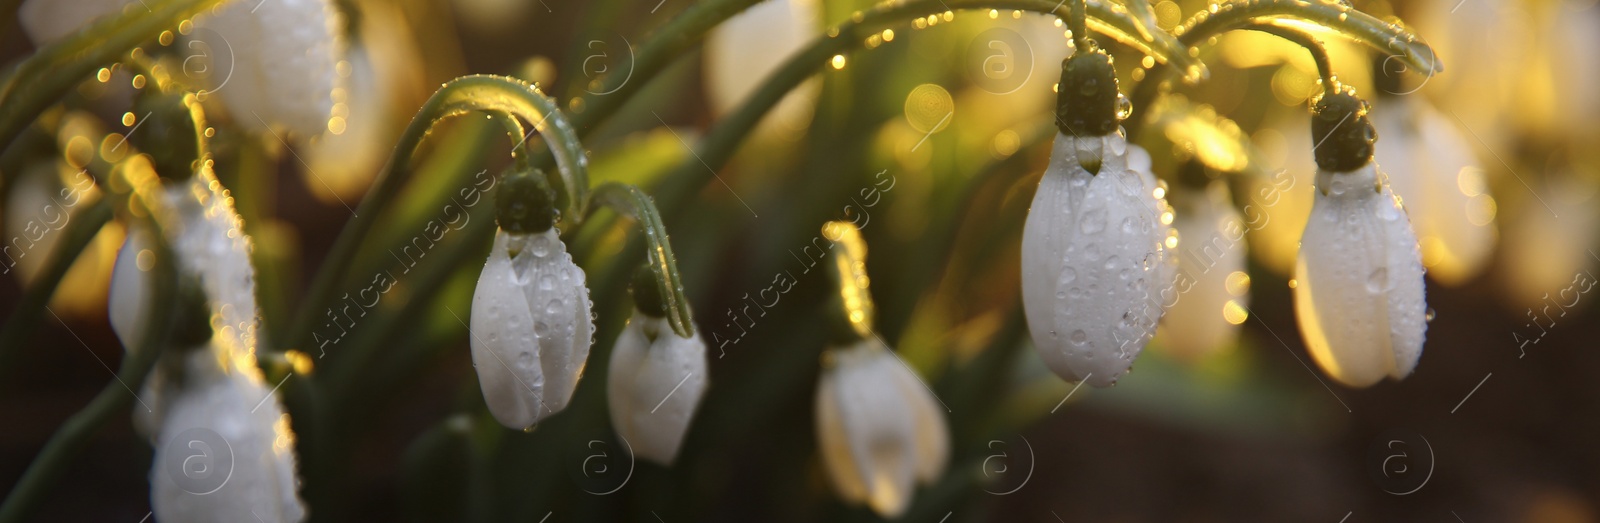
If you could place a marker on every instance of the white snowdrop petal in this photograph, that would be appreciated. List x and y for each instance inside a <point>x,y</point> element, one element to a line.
<point>1359,297</point>
<point>130,288</point>
<point>1093,262</point>
<point>224,454</point>
<point>531,327</point>
<point>505,351</point>
<point>1206,316</point>
<point>284,55</point>
<point>879,436</point>
<point>655,386</point>
<point>1433,170</point>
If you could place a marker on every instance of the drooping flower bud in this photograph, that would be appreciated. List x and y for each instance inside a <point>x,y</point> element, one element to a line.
<point>1359,292</point>
<point>224,451</point>
<point>878,427</point>
<point>1094,260</point>
<point>531,325</point>
<point>284,55</point>
<point>1207,314</point>
<point>656,379</point>
<point>1443,189</point>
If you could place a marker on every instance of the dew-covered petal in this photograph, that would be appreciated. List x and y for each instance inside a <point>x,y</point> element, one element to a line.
<point>505,350</point>
<point>656,381</point>
<point>1359,297</point>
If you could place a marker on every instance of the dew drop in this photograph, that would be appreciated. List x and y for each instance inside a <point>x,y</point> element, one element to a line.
<point>1112,262</point>
<point>1377,280</point>
<point>1079,337</point>
<point>1094,221</point>
<point>1429,316</point>
<point>1068,275</point>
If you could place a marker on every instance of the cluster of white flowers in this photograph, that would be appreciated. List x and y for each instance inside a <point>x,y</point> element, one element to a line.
<point>224,448</point>
<point>281,56</point>
<point>1098,263</point>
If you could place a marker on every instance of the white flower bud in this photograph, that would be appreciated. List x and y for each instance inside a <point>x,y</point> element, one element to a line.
<point>654,385</point>
<point>1359,293</point>
<point>225,451</point>
<point>1443,189</point>
<point>879,428</point>
<point>1094,259</point>
<point>283,69</point>
<point>531,327</point>
<point>1207,314</point>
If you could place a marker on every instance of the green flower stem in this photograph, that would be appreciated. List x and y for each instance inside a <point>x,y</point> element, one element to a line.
<point>1078,21</point>
<point>481,93</point>
<point>634,203</point>
<point>77,236</point>
<point>49,74</point>
<point>113,400</point>
<point>1240,14</point>
<point>672,41</point>
<point>1319,54</point>
<point>723,139</point>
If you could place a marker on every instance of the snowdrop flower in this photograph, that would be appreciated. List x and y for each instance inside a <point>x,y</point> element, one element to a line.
<point>750,46</point>
<point>281,55</point>
<point>1214,285</point>
<point>531,326</point>
<point>656,378</point>
<point>285,55</point>
<point>1359,293</point>
<point>1094,248</point>
<point>1443,189</point>
<point>878,426</point>
<point>222,453</point>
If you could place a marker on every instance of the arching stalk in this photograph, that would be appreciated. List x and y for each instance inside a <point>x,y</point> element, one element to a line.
<point>634,203</point>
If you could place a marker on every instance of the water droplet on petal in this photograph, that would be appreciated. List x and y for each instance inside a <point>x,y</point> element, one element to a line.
<point>1378,280</point>
<point>1094,221</point>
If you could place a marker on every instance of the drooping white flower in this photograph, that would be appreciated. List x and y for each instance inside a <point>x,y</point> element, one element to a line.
<point>1359,293</point>
<point>1441,185</point>
<point>224,450</point>
<point>654,385</point>
<point>531,327</point>
<point>209,243</point>
<point>1215,288</point>
<point>1094,259</point>
<point>744,50</point>
<point>284,55</point>
<point>879,428</point>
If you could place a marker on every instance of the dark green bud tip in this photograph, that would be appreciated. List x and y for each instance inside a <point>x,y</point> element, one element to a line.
<point>647,293</point>
<point>192,316</point>
<point>1086,99</point>
<point>1341,134</point>
<point>524,204</point>
<point>167,133</point>
<point>1193,174</point>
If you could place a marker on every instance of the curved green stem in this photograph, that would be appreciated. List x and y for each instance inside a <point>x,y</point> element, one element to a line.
<point>1333,15</point>
<point>630,201</point>
<point>75,239</point>
<point>113,400</point>
<point>481,93</point>
<point>1078,22</point>
<point>1319,54</point>
<point>50,74</point>
<point>1192,68</point>
<point>723,139</point>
